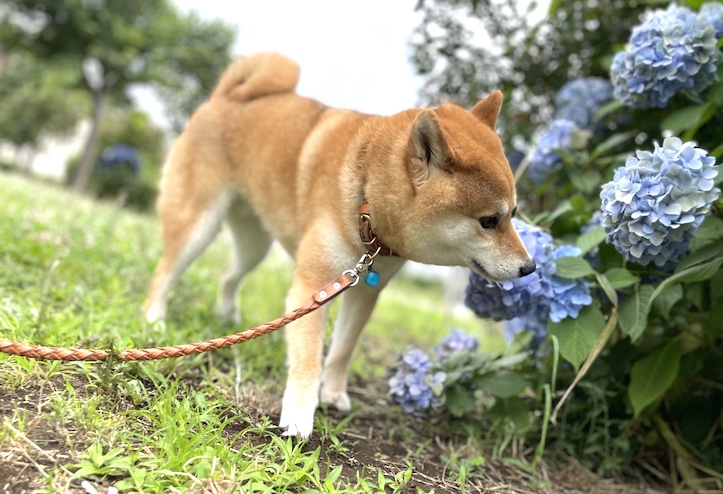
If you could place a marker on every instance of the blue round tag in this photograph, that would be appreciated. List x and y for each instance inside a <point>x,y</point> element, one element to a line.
<point>372,278</point>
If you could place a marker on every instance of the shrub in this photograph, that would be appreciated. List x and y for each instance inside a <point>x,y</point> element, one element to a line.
<point>135,190</point>
<point>626,226</point>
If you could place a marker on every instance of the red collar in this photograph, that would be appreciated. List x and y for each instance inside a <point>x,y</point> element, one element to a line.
<point>367,235</point>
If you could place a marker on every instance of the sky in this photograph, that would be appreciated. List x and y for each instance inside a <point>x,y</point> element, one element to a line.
<point>352,54</point>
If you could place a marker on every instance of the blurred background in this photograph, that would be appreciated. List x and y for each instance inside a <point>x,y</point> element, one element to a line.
<point>93,91</point>
<point>78,78</point>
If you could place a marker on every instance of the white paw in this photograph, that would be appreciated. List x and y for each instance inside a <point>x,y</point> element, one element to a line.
<point>155,314</point>
<point>228,311</point>
<point>297,411</point>
<point>339,399</point>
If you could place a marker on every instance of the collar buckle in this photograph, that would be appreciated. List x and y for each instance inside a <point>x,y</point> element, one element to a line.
<point>367,236</point>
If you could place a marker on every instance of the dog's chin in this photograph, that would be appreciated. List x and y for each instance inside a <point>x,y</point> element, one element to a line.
<point>480,270</point>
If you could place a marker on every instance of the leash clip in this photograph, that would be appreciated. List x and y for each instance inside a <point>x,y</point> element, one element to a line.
<point>365,262</point>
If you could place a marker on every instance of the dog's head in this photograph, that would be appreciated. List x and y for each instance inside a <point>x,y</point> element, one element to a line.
<point>463,198</point>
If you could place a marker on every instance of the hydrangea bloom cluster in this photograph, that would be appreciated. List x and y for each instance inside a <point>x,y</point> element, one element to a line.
<point>580,99</point>
<point>512,298</point>
<point>544,159</point>
<point>529,301</point>
<point>674,50</point>
<point>712,13</point>
<point>456,341</point>
<point>535,323</point>
<point>655,203</point>
<point>568,296</point>
<point>417,384</point>
<point>413,385</point>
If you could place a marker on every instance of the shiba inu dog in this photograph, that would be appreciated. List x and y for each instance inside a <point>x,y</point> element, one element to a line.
<point>435,185</point>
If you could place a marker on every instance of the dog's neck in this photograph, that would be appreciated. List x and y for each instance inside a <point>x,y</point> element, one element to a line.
<point>368,237</point>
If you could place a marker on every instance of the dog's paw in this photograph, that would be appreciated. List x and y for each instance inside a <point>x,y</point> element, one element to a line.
<point>154,314</point>
<point>339,399</point>
<point>229,313</point>
<point>297,413</point>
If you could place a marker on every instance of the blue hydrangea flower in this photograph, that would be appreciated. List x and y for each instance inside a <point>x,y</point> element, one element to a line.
<point>544,159</point>
<point>514,158</point>
<point>656,202</point>
<point>503,300</point>
<point>568,296</point>
<point>416,360</point>
<point>712,13</point>
<point>595,221</point>
<point>456,341</point>
<point>580,99</point>
<point>414,385</point>
<point>535,323</point>
<point>593,255</point>
<point>672,51</point>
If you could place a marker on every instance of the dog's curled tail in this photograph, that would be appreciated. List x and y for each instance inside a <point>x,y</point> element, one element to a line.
<point>257,75</point>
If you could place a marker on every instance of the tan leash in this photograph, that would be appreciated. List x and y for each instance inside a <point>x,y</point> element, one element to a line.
<point>318,299</point>
<point>348,279</point>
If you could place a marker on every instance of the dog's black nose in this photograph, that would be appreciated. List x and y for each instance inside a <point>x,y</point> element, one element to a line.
<point>528,268</point>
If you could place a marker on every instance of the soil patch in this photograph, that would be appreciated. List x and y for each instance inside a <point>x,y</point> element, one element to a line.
<point>378,438</point>
<point>29,455</point>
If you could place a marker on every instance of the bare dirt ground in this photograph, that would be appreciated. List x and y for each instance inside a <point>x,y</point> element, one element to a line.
<point>27,459</point>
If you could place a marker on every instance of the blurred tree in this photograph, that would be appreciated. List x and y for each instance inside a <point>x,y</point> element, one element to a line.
<point>467,48</point>
<point>189,70</point>
<point>38,101</point>
<point>115,44</point>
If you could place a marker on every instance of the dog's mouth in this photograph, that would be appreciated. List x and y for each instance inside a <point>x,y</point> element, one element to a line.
<point>480,270</point>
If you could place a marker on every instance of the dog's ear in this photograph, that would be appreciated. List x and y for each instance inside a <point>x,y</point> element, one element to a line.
<point>488,109</point>
<point>427,147</point>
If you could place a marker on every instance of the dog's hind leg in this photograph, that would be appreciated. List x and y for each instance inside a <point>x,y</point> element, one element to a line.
<point>251,243</point>
<point>187,231</point>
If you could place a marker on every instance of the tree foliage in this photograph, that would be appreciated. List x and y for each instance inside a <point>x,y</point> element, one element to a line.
<point>187,71</point>
<point>38,101</point>
<point>467,48</point>
<point>113,44</point>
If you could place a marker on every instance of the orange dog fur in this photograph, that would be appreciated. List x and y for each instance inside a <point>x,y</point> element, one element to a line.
<point>276,165</point>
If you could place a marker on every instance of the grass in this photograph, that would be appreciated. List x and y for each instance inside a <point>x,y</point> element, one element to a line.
<point>74,272</point>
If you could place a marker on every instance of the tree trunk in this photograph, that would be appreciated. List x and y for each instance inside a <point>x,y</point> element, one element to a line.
<point>4,59</point>
<point>87,161</point>
<point>30,152</point>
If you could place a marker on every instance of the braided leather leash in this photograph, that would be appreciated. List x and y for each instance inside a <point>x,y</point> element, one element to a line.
<point>348,278</point>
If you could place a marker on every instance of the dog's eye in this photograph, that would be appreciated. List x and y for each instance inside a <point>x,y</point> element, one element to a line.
<point>488,222</point>
<point>514,212</point>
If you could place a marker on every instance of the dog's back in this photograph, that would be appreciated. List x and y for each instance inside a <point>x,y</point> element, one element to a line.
<point>252,137</point>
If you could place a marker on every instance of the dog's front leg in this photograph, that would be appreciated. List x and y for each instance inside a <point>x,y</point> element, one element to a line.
<point>304,342</point>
